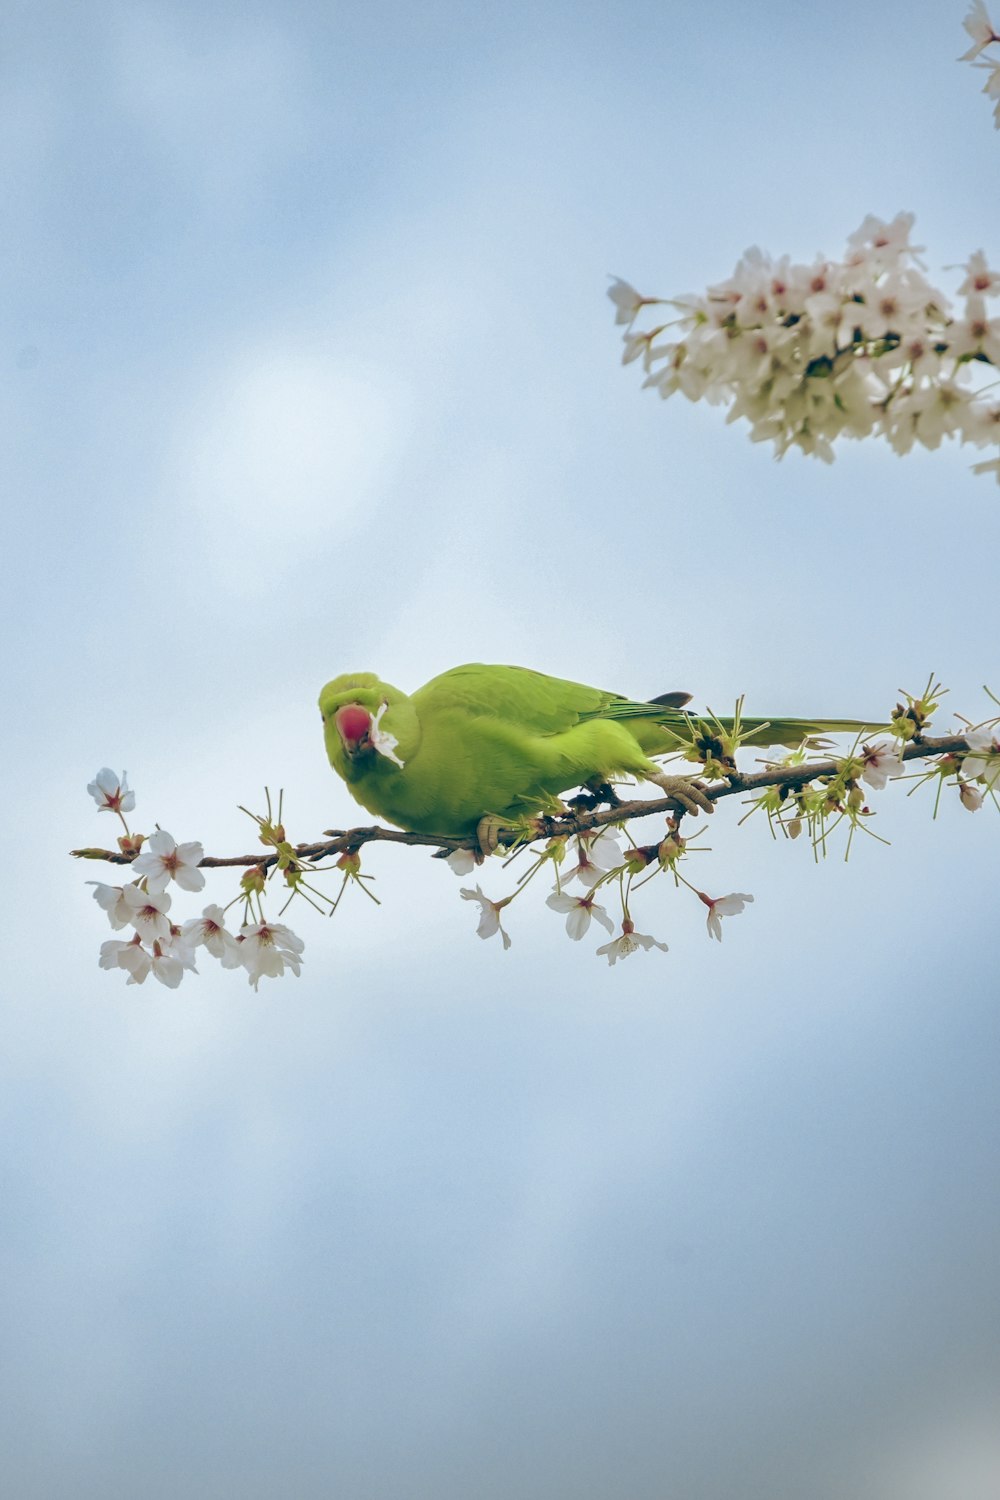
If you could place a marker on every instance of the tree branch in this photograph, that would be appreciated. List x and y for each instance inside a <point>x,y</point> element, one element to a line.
<point>348,841</point>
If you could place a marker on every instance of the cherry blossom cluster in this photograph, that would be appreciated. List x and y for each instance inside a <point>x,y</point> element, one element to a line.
<point>582,866</point>
<point>979,26</point>
<point>160,946</point>
<point>596,871</point>
<point>808,353</point>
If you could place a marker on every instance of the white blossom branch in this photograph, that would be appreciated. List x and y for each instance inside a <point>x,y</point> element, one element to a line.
<point>811,353</point>
<point>349,841</point>
<point>579,845</point>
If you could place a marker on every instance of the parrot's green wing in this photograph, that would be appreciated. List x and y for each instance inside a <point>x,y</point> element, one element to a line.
<point>536,702</point>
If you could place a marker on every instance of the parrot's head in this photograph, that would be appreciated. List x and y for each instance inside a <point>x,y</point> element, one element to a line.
<point>369,726</point>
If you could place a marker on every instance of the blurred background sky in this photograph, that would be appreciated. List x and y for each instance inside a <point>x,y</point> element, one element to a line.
<point>307,367</point>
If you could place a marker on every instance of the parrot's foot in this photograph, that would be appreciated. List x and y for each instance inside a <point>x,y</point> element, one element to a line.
<point>603,791</point>
<point>594,794</point>
<point>688,793</point>
<point>488,833</point>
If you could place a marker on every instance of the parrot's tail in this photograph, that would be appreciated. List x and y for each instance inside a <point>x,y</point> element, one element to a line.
<point>790,733</point>
<point>663,725</point>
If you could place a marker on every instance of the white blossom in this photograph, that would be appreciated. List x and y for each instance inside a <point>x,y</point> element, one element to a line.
<point>626,299</point>
<point>979,278</point>
<point>979,26</point>
<point>976,333</point>
<point>628,942</point>
<point>267,948</point>
<point>489,914</point>
<point>880,762</point>
<point>970,795</point>
<point>111,898</point>
<point>983,761</point>
<point>168,962</point>
<point>723,906</point>
<point>111,792</point>
<point>210,929</point>
<point>132,957</point>
<point>462,861</point>
<point>595,857</point>
<point>148,912</point>
<point>579,911</point>
<point>167,860</point>
<point>179,947</point>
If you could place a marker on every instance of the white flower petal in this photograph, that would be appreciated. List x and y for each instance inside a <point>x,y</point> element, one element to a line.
<point>168,970</point>
<point>600,915</point>
<point>578,921</point>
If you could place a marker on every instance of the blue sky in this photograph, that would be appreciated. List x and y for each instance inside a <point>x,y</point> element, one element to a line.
<point>308,368</point>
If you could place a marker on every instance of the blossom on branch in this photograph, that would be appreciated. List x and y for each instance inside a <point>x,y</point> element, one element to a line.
<point>111,792</point>
<point>267,948</point>
<point>808,354</point>
<point>983,761</point>
<point>167,860</point>
<point>880,762</point>
<point>489,913</point>
<point>579,911</point>
<point>980,280</point>
<point>970,795</point>
<point>210,929</point>
<point>628,942</point>
<point>979,26</point>
<point>723,906</point>
<point>797,792</point>
<point>111,899</point>
<point>132,957</point>
<point>164,961</point>
<point>596,855</point>
<point>148,912</point>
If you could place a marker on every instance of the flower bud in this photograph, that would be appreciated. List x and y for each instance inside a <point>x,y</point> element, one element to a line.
<point>636,860</point>
<point>670,850</point>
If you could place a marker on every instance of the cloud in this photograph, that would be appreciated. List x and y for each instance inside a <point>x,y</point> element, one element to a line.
<point>279,450</point>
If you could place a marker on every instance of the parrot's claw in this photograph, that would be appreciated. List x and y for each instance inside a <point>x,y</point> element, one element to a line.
<point>688,793</point>
<point>488,833</point>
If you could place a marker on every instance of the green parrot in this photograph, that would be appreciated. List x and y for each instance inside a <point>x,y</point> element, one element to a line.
<point>480,747</point>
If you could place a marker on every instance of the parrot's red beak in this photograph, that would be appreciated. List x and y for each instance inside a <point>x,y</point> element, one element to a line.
<point>353,725</point>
